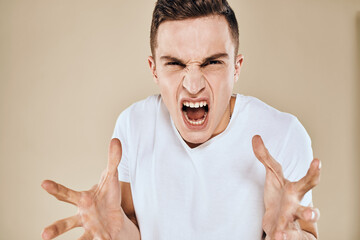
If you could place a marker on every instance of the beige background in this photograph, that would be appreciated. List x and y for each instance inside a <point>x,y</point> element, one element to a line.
<point>69,67</point>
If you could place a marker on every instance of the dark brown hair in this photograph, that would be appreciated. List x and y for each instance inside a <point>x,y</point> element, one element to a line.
<point>169,10</point>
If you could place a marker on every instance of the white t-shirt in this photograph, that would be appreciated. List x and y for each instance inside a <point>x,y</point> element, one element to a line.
<point>213,191</point>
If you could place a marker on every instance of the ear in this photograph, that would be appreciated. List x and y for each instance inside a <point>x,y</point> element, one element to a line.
<point>152,67</point>
<point>238,64</point>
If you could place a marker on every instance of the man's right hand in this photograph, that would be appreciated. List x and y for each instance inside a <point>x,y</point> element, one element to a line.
<point>99,209</point>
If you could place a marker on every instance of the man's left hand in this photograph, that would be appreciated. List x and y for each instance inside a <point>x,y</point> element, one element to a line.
<point>284,217</point>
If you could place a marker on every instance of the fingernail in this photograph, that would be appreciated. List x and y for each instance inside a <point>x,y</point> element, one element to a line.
<point>312,215</point>
<point>45,235</point>
<point>319,164</point>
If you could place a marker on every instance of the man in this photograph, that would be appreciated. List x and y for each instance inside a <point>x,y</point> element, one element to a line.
<point>188,165</point>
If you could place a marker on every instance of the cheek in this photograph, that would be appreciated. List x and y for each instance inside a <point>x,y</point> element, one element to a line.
<point>220,81</point>
<point>169,87</point>
<point>169,80</point>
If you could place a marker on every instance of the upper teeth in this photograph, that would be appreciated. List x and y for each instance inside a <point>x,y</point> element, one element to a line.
<point>195,104</point>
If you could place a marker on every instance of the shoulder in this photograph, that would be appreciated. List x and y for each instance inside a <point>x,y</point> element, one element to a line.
<point>290,142</point>
<point>267,118</point>
<point>140,114</point>
<point>283,134</point>
<point>280,131</point>
<point>257,108</point>
<point>140,110</point>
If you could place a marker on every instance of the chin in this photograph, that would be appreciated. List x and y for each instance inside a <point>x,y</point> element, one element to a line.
<point>195,138</point>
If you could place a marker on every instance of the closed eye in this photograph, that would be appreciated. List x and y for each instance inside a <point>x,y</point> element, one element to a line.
<point>212,62</point>
<point>215,62</point>
<point>174,64</point>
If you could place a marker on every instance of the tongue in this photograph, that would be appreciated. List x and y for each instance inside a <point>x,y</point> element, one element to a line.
<point>195,113</point>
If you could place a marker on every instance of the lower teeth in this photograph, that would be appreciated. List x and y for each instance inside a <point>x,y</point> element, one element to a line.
<point>197,122</point>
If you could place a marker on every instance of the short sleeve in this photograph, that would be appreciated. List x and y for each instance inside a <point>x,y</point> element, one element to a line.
<point>120,132</point>
<point>296,155</point>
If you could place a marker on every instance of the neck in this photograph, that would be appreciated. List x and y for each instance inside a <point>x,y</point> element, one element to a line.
<point>226,117</point>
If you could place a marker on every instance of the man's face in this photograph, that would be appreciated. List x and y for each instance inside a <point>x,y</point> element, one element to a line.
<point>195,69</point>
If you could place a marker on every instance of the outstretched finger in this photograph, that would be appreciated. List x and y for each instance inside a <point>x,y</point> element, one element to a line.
<point>265,158</point>
<point>61,192</point>
<point>311,178</point>
<point>307,214</point>
<point>60,227</point>
<point>114,158</point>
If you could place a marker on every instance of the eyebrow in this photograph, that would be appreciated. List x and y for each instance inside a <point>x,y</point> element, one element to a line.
<point>207,59</point>
<point>216,56</point>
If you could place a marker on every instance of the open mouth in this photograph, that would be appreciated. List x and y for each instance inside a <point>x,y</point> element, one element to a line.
<point>195,113</point>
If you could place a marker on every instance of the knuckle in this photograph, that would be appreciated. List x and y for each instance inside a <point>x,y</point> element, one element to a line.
<point>52,231</point>
<point>56,231</point>
<point>313,183</point>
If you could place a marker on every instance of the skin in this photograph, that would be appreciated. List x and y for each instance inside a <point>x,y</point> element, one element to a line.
<point>195,59</point>
<point>100,212</point>
<point>208,69</point>
<point>284,217</point>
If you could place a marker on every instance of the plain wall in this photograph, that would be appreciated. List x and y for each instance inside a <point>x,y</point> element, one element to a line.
<point>68,68</point>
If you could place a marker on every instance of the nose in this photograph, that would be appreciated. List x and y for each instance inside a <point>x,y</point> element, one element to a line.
<point>194,80</point>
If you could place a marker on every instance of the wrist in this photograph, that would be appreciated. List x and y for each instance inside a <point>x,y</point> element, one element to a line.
<point>128,230</point>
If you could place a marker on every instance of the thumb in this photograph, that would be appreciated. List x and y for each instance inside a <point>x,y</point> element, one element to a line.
<point>263,155</point>
<point>260,150</point>
<point>114,157</point>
